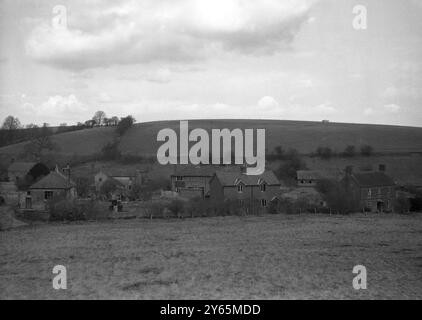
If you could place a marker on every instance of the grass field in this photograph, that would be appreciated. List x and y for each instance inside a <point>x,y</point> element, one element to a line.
<point>305,136</point>
<point>269,257</point>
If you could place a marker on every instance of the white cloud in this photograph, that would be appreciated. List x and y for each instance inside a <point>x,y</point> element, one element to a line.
<point>268,103</point>
<point>392,108</point>
<point>130,31</point>
<point>325,109</point>
<point>57,109</point>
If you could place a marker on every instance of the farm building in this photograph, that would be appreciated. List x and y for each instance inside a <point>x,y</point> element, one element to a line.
<point>373,191</point>
<point>53,185</point>
<point>307,178</point>
<point>124,178</point>
<point>26,171</point>
<point>194,181</point>
<point>244,188</point>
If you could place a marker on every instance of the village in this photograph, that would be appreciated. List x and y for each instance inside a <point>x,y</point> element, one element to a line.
<point>35,191</point>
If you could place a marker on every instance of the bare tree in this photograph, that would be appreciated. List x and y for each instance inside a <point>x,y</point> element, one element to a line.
<point>99,117</point>
<point>11,123</point>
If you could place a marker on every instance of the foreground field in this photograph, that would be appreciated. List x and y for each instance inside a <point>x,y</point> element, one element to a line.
<point>269,257</point>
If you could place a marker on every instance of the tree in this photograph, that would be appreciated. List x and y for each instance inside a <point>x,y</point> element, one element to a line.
<point>291,164</point>
<point>108,187</point>
<point>324,152</point>
<point>366,150</point>
<point>83,186</point>
<point>11,123</point>
<point>337,196</point>
<point>124,125</point>
<point>99,117</point>
<point>350,151</point>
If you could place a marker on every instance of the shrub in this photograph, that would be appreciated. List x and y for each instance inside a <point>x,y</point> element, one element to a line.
<point>324,152</point>
<point>401,204</point>
<point>291,163</point>
<point>366,150</point>
<point>350,151</point>
<point>337,196</point>
<point>176,207</point>
<point>64,210</point>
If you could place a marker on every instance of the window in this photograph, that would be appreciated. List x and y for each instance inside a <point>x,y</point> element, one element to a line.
<point>263,202</point>
<point>241,202</point>
<point>48,195</point>
<point>263,187</point>
<point>179,178</point>
<point>100,179</point>
<point>240,188</point>
<point>28,193</point>
<point>369,193</point>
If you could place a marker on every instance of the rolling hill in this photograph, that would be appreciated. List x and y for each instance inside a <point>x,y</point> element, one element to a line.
<point>141,139</point>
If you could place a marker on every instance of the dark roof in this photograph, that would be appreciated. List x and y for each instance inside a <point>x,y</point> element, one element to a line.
<point>308,175</point>
<point>54,180</point>
<point>22,166</point>
<point>232,178</point>
<point>195,171</point>
<point>372,179</point>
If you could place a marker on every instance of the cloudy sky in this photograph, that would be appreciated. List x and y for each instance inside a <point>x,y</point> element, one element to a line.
<point>190,59</point>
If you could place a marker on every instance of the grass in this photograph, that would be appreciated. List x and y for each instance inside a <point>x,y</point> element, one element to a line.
<point>305,136</point>
<point>268,257</point>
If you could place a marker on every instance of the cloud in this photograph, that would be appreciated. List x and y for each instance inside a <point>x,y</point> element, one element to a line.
<point>268,103</point>
<point>392,108</point>
<point>57,109</point>
<point>325,108</point>
<point>129,32</point>
<point>388,108</point>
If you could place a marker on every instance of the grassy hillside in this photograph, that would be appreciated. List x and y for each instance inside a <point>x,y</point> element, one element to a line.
<point>304,136</point>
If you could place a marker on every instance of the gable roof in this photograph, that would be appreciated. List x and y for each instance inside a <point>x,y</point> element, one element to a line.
<point>373,179</point>
<point>308,175</point>
<point>21,166</point>
<point>54,180</point>
<point>233,178</point>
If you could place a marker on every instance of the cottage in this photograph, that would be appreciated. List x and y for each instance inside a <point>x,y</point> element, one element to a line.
<point>307,178</point>
<point>192,181</point>
<point>244,188</point>
<point>124,179</point>
<point>21,172</point>
<point>55,184</point>
<point>373,191</point>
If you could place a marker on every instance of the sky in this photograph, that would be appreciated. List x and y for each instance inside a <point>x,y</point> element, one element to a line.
<point>60,61</point>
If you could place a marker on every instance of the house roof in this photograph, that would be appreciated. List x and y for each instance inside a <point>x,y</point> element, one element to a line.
<point>233,178</point>
<point>308,175</point>
<point>54,180</point>
<point>21,166</point>
<point>372,179</point>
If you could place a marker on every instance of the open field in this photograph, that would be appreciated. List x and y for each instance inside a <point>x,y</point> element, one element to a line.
<point>269,257</point>
<point>305,136</point>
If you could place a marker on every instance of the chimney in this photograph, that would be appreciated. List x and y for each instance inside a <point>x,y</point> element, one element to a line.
<point>382,167</point>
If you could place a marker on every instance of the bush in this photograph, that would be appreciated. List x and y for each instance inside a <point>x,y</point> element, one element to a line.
<point>176,207</point>
<point>111,151</point>
<point>65,210</point>
<point>291,164</point>
<point>366,150</point>
<point>350,151</point>
<point>402,204</point>
<point>324,152</point>
<point>337,196</point>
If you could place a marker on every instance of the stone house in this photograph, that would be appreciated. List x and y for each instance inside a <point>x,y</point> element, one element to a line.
<point>125,179</point>
<point>55,184</point>
<point>244,188</point>
<point>374,191</point>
